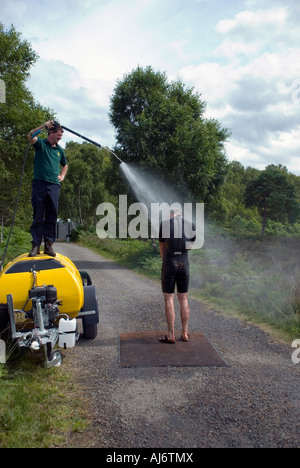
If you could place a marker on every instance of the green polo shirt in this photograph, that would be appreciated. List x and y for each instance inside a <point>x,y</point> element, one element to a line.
<point>47,161</point>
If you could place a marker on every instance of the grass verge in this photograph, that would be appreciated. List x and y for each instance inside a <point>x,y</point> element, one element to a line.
<point>39,407</point>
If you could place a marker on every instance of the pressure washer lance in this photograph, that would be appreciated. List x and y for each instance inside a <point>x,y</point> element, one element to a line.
<point>57,124</point>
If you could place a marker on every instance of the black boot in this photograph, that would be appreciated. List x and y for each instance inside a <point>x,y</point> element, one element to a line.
<point>35,250</point>
<point>48,250</point>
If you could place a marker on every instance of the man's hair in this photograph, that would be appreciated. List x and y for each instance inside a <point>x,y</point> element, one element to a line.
<point>55,129</point>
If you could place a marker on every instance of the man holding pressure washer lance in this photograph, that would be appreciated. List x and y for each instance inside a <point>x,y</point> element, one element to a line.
<point>50,169</point>
<point>49,157</point>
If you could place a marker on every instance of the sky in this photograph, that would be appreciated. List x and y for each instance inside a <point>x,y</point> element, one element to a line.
<point>242,56</point>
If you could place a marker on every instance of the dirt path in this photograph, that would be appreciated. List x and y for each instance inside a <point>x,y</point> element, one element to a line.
<point>254,402</point>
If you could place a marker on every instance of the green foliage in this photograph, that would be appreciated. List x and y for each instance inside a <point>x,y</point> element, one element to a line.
<point>274,196</point>
<point>16,56</point>
<point>240,227</point>
<point>20,242</point>
<point>233,190</point>
<point>85,187</point>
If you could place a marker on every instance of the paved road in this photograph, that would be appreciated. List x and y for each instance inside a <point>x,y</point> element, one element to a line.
<point>254,402</point>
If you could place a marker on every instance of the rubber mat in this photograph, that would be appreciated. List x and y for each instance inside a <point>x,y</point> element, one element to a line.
<point>143,349</point>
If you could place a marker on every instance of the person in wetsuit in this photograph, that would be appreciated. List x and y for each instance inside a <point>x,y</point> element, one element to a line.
<point>175,271</point>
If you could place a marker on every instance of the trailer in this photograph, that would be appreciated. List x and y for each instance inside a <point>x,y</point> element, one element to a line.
<point>42,299</point>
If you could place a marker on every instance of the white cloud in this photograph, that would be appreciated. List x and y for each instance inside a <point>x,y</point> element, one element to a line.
<point>231,49</point>
<point>248,21</point>
<point>245,156</point>
<point>213,80</point>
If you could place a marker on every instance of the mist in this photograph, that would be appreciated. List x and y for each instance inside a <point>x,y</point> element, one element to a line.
<point>149,189</point>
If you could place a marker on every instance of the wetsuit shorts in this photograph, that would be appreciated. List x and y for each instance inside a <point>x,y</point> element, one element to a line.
<point>175,272</point>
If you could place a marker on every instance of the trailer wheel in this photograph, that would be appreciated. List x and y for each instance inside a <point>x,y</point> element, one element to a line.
<point>89,331</point>
<point>90,313</point>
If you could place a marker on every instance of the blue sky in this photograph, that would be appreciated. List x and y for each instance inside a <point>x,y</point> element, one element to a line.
<point>241,56</point>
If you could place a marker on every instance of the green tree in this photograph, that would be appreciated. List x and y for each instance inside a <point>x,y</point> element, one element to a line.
<point>18,114</point>
<point>274,196</point>
<point>84,188</point>
<point>161,125</point>
<point>233,190</point>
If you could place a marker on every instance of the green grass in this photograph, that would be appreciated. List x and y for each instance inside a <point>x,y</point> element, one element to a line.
<point>39,407</point>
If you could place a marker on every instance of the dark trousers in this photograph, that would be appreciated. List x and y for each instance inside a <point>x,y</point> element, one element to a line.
<point>175,271</point>
<point>44,200</point>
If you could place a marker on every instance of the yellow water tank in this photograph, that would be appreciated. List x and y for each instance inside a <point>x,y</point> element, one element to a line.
<point>24,273</point>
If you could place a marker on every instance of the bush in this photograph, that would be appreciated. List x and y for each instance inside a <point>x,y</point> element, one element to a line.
<point>20,243</point>
<point>134,253</point>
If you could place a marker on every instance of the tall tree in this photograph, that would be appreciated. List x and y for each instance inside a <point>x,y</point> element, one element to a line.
<point>274,196</point>
<point>161,125</point>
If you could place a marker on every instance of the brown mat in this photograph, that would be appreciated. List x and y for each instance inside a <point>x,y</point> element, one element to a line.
<point>143,349</point>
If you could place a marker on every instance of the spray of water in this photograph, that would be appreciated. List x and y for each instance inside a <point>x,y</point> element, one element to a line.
<point>148,189</point>
<point>160,199</point>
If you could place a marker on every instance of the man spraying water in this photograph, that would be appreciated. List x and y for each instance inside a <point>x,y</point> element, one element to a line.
<point>50,169</point>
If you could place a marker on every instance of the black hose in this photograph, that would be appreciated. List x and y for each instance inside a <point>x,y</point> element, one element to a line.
<point>16,206</point>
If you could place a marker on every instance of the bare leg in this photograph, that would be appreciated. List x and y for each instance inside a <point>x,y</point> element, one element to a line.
<point>184,314</point>
<point>170,315</point>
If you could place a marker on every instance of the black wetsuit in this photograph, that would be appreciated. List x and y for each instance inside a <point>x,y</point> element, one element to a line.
<point>175,269</point>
